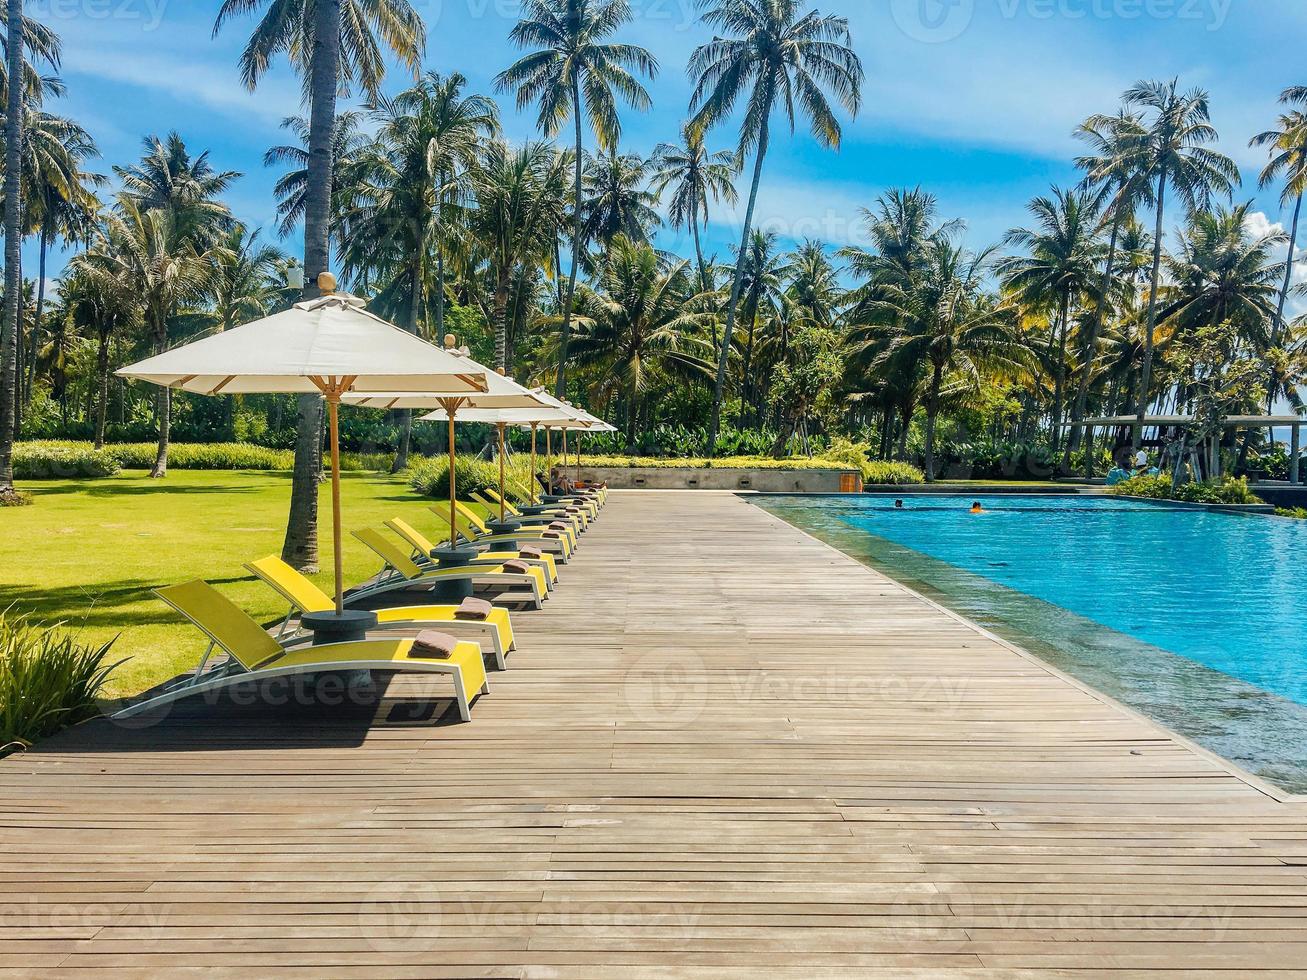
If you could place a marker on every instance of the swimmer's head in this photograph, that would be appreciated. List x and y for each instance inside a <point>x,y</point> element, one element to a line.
<point>976,508</point>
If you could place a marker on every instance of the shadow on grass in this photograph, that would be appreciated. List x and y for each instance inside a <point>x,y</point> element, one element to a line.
<point>100,604</point>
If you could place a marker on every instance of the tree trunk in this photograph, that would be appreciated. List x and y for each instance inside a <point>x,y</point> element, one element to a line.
<point>719,387</point>
<point>560,388</point>
<point>1146,372</point>
<point>406,415</point>
<point>164,402</point>
<point>501,319</point>
<point>1059,382</point>
<point>1277,327</point>
<point>932,410</point>
<point>102,385</point>
<point>300,548</point>
<point>43,250</point>
<point>705,284</point>
<point>440,266</point>
<point>1082,392</point>
<point>13,243</point>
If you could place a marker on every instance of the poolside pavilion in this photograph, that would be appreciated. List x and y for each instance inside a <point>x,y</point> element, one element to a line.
<point>1292,422</point>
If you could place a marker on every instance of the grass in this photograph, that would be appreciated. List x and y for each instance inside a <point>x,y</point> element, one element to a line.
<point>88,554</point>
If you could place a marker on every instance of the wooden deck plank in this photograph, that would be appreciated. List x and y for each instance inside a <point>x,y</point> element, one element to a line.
<point>722,749</point>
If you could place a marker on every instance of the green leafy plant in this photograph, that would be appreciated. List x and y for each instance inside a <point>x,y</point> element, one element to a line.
<point>48,680</point>
<point>58,460</point>
<point>62,459</point>
<point>897,474</point>
<point>429,476</point>
<point>1227,490</point>
<point>1298,513</point>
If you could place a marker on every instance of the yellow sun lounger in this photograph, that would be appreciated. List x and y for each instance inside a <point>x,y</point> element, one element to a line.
<point>475,531</point>
<point>400,572</point>
<point>256,656</point>
<point>577,517</point>
<point>494,633</point>
<point>590,505</point>
<point>423,547</point>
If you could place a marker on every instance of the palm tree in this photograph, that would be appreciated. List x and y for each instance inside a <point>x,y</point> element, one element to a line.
<point>15,42</point>
<point>642,325</point>
<point>38,44</point>
<point>1113,176</point>
<point>429,136</point>
<point>331,43</point>
<point>617,201</point>
<point>694,175</point>
<point>573,71</point>
<point>1177,156</point>
<point>814,285</point>
<point>1060,273</point>
<point>168,178</point>
<point>780,57</point>
<point>292,188</point>
<point>943,320</point>
<point>246,279</point>
<point>153,251</point>
<point>1288,146</point>
<point>1222,273</point>
<point>58,199</point>
<point>101,294</point>
<point>762,290</point>
<point>518,192</point>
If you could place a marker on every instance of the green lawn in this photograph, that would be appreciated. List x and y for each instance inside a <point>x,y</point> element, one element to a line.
<point>87,553</point>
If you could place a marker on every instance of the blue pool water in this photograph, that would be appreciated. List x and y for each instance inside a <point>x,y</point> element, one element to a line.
<point>1194,617</point>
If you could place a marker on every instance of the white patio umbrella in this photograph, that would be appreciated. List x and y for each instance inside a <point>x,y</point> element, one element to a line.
<point>330,345</point>
<point>500,393</point>
<point>501,419</point>
<point>572,418</point>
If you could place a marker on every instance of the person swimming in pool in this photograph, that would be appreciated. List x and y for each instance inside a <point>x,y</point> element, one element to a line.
<point>976,508</point>
<point>898,505</point>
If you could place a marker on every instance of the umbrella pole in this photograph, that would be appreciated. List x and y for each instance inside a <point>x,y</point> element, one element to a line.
<point>531,483</point>
<point>564,471</point>
<point>503,515</point>
<point>549,457</point>
<point>333,410</point>
<point>451,407</point>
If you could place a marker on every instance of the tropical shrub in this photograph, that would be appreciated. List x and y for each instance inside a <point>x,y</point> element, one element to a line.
<point>854,455</point>
<point>429,476</point>
<point>47,680</point>
<point>1151,487</point>
<point>901,474</point>
<point>1298,513</point>
<point>56,460</point>
<point>1226,490</point>
<point>9,497</point>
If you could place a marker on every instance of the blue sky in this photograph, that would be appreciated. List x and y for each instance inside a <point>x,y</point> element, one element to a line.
<point>973,99</point>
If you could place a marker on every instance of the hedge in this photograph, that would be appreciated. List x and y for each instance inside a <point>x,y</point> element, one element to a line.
<point>65,459</point>
<point>429,476</point>
<point>1226,490</point>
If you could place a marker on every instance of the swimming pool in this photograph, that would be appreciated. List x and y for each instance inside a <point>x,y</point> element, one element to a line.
<point>1195,618</point>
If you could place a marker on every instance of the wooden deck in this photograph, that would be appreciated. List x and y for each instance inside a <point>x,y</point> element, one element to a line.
<point>723,750</point>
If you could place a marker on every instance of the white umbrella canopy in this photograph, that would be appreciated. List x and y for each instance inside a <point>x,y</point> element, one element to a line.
<point>309,348</point>
<point>330,345</point>
<point>501,418</point>
<point>500,393</point>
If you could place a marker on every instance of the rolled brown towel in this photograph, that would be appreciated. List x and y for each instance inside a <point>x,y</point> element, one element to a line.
<point>433,643</point>
<point>559,526</point>
<point>527,551</point>
<point>474,609</point>
<point>517,567</point>
<point>552,535</point>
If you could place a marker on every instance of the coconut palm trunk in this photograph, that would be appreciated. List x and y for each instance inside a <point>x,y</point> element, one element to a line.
<point>932,413</point>
<point>300,548</point>
<point>102,383</point>
<point>406,415</point>
<point>560,388</point>
<point>1059,381</point>
<point>719,387</point>
<point>1146,370</point>
<point>163,402</point>
<point>1095,329</point>
<point>1277,328</point>
<point>13,243</point>
<point>705,284</point>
